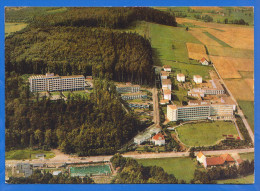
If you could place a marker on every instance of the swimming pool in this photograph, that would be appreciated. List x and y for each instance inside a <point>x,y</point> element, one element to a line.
<point>90,170</point>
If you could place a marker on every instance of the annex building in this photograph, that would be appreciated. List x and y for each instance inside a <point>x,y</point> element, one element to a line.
<point>51,82</point>
<point>127,88</point>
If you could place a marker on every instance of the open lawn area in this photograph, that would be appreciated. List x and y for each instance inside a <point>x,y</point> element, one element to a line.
<point>26,154</point>
<point>247,156</point>
<point>248,110</point>
<point>205,134</point>
<point>182,168</point>
<point>243,180</point>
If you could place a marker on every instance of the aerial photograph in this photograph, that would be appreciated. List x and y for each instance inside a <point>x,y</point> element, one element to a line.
<point>129,95</point>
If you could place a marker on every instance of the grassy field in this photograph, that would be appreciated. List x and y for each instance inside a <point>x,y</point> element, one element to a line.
<point>13,27</point>
<point>248,110</point>
<point>182,168</point>
<point>26,154</point>
<point>243,180</point>
<point>247,156</point>
<point>170,48</point>
<point>205,134</point>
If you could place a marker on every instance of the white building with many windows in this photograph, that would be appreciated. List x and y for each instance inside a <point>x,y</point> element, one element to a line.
<point>51,82</point>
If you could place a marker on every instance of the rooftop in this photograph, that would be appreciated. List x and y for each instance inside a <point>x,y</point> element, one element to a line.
<point>227,157</point>
<point>172,106</point>
<point>215,161</point>
<point>167,91</point>
<point>200,154</point>
<point>164,73</point>
<point>197,76</point>
<point>180,75</point>
<point>166,66</point>
<point>203,59</point>
<point>158,136</point>
<point>166,81</point>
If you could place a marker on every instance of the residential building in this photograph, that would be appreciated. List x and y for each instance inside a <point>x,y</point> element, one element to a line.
<point>167,94</point>
<point>128,87</point>
<point>167,68</point>
<point>167,84</point>
<point>164,101</point>
<point>222,160</point>
<point>197,79</point>
<point>158,139</point>
<point>131,96</point>
<point>172,112</point>
<point>201,157</point>
<point>180,77</point>
<point>51,82</point>
<point>146,135</point>
<point>204,62</point>
<point>164,74</point>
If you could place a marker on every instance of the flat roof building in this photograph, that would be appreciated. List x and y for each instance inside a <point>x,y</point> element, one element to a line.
<point>128,87</point>
<point>51,82</point>
<point>167,68</point>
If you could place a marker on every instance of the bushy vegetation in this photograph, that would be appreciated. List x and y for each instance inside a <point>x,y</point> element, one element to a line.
<point>131,172</point>
<point>86,126</point>
<point>47,178</point>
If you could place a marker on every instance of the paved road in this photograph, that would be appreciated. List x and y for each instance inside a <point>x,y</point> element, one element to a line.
<point>239,111</point>
<point>156,114</point>
<point>60,161</point>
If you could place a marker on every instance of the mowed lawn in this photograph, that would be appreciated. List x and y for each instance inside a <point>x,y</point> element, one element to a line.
<point>26,154</point>
<point>182,168</point>
<point>243,180</point>
<point>205,134</point>
<point>248,110</point>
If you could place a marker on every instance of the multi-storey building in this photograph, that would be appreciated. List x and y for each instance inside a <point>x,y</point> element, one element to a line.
<point>166,84</point>
<point>223,109</point>
<point>51,82</point>
<point>128,87</point>
<point>180,77</point>
<point>164,75</point>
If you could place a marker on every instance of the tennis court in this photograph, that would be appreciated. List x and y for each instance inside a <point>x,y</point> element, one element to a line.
<point>90,170</point>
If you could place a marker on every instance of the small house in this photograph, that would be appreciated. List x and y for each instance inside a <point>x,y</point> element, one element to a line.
<point>197,79</point>
<point>167,68</point>
<point>204,62</point>
<point>180,77</point>
<point>158,139</point>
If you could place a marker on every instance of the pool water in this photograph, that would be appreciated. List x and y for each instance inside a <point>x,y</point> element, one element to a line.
<point>90,170</point>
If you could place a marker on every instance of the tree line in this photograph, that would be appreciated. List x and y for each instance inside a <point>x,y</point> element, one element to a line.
<point>87,126</point>
<point>103,53</point>
<point>109,17</point>
<point>47,178</point>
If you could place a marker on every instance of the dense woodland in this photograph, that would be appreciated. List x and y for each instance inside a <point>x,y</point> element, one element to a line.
<point>47,178</point>
<point>80,50</point>
<point>86,126</point>
<point>131,172</point>
<point>110,17</point>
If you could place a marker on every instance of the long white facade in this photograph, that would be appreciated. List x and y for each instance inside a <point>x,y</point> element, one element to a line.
<point>51,82</point>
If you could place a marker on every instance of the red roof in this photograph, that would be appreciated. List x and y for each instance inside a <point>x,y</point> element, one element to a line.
<point>215,161</point>
<point>203,59</point>
<point>227,158</point>
<point>158,136</point>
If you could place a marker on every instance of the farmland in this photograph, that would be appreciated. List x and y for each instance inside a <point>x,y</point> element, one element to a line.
<point>174,166</point>
<point>205,134</point>
<point>248,109</point>
<point>196,51</point>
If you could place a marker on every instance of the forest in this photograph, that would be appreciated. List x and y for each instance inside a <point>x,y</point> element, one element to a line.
<point>86,126</point>
<point>79,50</point>
<point>109,17</point>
